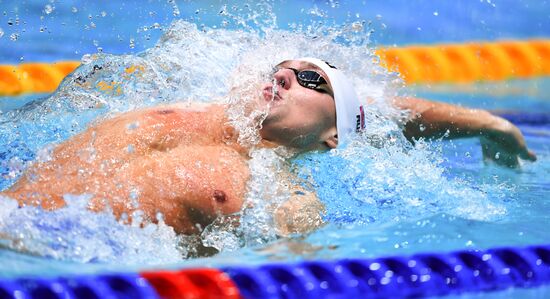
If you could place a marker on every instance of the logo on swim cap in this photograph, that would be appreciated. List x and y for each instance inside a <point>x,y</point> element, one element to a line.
<point>360,120</point>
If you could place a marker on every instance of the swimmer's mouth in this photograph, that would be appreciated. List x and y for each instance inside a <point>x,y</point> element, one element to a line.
<point>271,93</point>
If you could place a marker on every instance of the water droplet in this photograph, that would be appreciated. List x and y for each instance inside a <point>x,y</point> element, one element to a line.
<point>223,11</point>
<point>42,28</point>
<point>14,36</point>
<point>10,22</point>
<point>74,9</point>
<point>497,155</point>
<point>95,42</point>
<point>175,9</point>
<point>48,9</point>
<point>1,32</point>
<point>104,14</point>
<point>422,128</point>
<point>357,26</point>
<point>87,58</point>
<point>132,43</point>
<point>436,13</point>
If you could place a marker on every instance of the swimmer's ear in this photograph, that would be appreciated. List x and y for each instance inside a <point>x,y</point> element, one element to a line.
<point>332,141</point>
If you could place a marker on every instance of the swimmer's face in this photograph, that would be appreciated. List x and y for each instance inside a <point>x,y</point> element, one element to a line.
<point>298,117</point>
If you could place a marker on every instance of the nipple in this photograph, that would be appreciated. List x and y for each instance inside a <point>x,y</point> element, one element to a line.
<point>165,111</point>
<point>219,196</point>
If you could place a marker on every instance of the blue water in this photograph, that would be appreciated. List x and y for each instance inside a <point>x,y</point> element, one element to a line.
<point>39,27</point>
<point>384,199</point>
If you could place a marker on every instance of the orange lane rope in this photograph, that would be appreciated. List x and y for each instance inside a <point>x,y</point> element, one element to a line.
<point>469,62</point>
<point>444,63</point>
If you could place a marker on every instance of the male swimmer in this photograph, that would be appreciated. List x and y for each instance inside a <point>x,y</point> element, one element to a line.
<point>185,162</point>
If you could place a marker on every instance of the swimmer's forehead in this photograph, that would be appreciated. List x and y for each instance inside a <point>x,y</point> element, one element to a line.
<point>302,65</point>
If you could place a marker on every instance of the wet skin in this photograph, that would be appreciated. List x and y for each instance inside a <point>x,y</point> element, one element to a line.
<point>180,161</point>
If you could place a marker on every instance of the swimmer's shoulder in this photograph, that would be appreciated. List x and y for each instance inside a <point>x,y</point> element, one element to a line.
<point>192,107</point>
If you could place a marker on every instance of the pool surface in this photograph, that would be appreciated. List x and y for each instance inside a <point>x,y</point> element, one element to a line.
<point>384,197</point>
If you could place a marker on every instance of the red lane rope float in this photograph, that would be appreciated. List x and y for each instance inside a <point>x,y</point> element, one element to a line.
<point>445,63</point>
<point>192,284</point>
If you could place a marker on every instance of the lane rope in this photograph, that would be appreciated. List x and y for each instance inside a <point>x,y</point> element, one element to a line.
<point>444,63</point>
<point>418,275</point>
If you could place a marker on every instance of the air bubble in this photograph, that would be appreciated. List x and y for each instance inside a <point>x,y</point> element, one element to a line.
<point>48,9</point>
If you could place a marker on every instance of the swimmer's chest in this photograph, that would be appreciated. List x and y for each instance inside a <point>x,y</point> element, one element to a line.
<point>203,181</point>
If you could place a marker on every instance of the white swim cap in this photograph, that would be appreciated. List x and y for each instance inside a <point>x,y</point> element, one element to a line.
<point>350,115</point>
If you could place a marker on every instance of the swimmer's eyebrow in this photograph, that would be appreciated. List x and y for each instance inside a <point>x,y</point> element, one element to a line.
<point>302,65</point>
<point>309,65</point>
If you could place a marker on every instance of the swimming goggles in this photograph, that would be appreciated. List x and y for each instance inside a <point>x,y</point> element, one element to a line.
<point>312,79</point>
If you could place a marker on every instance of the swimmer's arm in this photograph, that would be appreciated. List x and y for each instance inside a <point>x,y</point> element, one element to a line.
<point>440,120</point>
<point>302,213</point>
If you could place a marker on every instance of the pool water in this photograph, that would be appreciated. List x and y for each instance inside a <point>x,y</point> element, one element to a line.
<point>383,196</point>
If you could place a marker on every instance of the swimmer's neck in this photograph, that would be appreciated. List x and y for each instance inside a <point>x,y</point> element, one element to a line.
<point>231,134</point>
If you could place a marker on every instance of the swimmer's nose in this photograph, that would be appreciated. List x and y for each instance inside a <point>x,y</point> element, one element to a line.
<point>285,78</point>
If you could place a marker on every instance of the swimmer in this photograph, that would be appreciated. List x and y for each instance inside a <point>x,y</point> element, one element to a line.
<point>186,162</point>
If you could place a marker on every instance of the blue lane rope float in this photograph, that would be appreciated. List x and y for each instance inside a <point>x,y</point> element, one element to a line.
<point>420,275</point>
<point>128,286</point>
